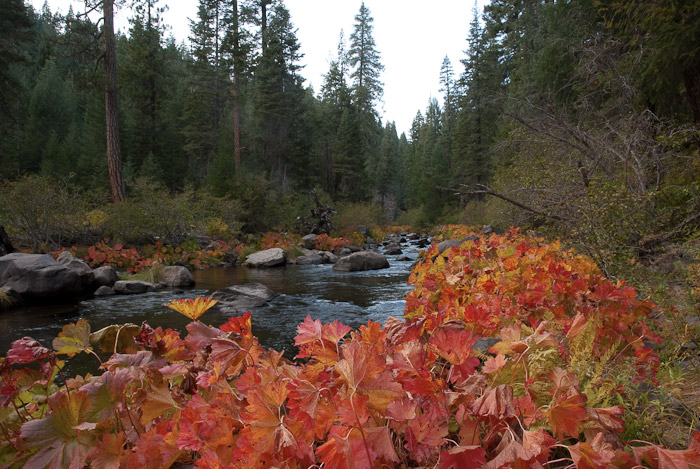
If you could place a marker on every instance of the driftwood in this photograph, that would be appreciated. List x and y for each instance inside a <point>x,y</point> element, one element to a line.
<point>5,244</point>
<point>322,213</point>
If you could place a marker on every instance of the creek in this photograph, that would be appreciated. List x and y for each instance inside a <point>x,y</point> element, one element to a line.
<point>352,298</point>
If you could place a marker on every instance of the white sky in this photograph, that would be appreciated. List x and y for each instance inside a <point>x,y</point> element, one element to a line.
<point>412,36</point>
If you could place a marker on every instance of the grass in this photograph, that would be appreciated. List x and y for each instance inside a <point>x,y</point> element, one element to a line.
<point>7,300</point>
<point>153,274</point>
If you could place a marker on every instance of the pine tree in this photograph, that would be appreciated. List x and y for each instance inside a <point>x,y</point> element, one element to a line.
<point>365,59</point>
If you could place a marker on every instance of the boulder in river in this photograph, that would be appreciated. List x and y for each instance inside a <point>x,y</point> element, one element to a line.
<point>105,275</point>
<point>38,276</point>
<point>393,250</point>
<point>237,298</point>
<point>363,260</point>
<point>133,287</point>
<point>177,276</point>
<point>311,259</point>
<point>104,290</point>
<point>87,276</point>
<point>267,258</point>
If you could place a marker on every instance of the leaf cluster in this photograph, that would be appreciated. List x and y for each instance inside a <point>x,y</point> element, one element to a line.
<point>417,392</point>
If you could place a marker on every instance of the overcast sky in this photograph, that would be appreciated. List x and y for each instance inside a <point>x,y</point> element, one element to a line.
<point>412,36</point>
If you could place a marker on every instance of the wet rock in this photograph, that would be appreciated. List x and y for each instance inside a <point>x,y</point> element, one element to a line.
<point>104,290</point>
<point>329,257</point>
<point>268,258</point>
<point>38,276</point>
<point>177,276</point>
<point>393,250</point>
<point>106,275</point>
<point>237,298</point>
<point>133,287</point>
<point>358,261</point>
<point>312,259</point>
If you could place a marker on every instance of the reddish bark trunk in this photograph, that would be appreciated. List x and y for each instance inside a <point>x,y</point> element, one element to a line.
<point>114,155</point>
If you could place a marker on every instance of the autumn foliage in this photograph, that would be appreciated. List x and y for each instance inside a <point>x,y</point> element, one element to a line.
<point>419,392</point>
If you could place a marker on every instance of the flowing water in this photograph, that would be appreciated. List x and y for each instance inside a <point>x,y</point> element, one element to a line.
<point>352,298</point>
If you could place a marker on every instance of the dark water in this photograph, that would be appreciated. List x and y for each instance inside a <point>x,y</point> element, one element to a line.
<point>352,298</point>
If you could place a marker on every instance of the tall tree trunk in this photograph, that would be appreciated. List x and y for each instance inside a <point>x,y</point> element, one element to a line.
<point>691,79</point>
<point>114,154</point>
<point>236,91</point>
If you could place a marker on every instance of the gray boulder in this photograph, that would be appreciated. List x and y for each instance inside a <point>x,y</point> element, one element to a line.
<point>362,229</point>
<point>268,258</point>
<point>177,276</point>
<point>105,275</point>
<point>393,250</point>
<point>329,257</point>
<point>239,298</point>
<point>132,287</point>
<point>87,276</point>
<point>364,260</point>
<point>104,290</point>
<point>312,259</point>
<point>38,276</point>
<point>310,241</point>
<point>447,244</point>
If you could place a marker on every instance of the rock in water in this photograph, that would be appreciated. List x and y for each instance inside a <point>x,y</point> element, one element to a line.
<point>177,276</point>
<point>105,275</point>
<point>268,258</point>
<point>132,287</point>
<point>237,298</point>
<point>363,260</point>
<point>38,276</point>
<point>87,276</point>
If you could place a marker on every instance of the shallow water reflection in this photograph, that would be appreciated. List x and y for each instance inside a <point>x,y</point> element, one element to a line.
<point>350,297</point>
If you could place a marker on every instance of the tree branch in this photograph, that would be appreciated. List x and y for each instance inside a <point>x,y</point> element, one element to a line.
<point>485,190</point>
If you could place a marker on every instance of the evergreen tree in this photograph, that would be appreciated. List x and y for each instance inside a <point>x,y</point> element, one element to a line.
<point>205,101</point>
<point>365,59</point>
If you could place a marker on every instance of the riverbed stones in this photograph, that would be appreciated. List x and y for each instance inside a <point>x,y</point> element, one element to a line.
<point>105,275</point>
<point>237,298</point>
<point>177,276</point>
<point>363,260</point>
<point>133,287</point>
<point>38,276</point>
<point>267,258</point>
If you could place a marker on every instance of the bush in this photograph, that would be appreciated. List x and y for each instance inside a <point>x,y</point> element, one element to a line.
<point>44,213</point>
<point>350,215</point>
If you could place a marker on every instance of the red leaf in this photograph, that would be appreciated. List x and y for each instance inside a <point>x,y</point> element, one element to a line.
<point>497,403</point>
<point>567,414</point>
<point>26,350</point>
<point>308,331</point>
<point>466,457</point>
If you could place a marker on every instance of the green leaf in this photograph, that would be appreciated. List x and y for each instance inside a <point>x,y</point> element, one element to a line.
<point>73,339</point>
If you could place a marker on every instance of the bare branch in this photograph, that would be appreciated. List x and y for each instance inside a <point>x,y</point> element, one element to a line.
<point>485,190</point>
